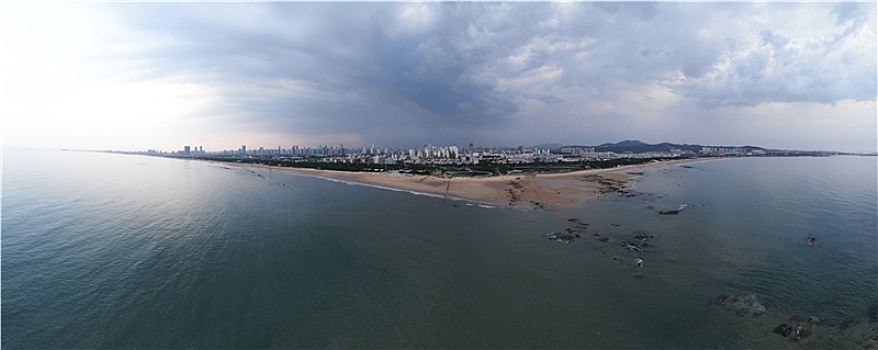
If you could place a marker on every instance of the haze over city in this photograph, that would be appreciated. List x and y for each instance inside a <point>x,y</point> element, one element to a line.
<point>136,76</point>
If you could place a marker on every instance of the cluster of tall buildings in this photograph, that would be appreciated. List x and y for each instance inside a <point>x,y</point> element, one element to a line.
<point>427,154</point>
<point>730,151</point>
<point>187,151</point>
<point>440,155</point>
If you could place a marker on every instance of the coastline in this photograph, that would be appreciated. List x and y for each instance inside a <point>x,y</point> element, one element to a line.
<point>525,190</point>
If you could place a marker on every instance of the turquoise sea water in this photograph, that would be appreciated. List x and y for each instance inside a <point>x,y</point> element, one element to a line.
<point>112,251</point>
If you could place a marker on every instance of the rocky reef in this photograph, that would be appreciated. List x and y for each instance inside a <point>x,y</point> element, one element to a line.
<point>573,232</point>
<point>798,328</point>
<point>741,304</point>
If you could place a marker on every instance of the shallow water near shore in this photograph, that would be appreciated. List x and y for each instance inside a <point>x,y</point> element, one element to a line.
<point>104,250</point>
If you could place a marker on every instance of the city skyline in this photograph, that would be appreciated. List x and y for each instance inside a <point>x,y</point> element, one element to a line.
<point>140,76</point>
<point>625,148</point>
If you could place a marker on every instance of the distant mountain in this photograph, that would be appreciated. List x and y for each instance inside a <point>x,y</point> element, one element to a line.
<point>637,146</point>
<point>626,144</point>
<point>548,146</point>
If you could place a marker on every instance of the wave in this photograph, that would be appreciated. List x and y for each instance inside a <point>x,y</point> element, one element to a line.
<point>417,193</point>
<point>675,212</point>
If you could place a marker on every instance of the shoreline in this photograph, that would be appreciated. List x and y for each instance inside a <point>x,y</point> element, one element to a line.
<point>539,191</point>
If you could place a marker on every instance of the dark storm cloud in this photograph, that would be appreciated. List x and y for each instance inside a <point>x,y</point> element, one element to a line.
<point>338,50</point>
<point>449,70</point>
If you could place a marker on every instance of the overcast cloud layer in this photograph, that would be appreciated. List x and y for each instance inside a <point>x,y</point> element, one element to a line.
<point>137,76</point>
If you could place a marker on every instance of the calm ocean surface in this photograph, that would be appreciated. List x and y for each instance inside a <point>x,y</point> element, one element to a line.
<point>114,251</point>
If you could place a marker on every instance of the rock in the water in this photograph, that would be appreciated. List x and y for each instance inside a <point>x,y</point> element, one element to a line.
<point>741,304</point>
<point>783,329</point>
<point>674,212</point>
<point>561,237</point>
<point>800,327</point>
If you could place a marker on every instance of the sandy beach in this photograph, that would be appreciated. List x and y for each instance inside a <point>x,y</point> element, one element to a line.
<point>523,190</point>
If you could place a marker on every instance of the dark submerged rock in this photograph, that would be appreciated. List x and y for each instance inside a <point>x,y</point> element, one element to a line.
<point>741,304</point>
<point>872,312</point>
<point>846,323</point>
<point>783,329</point>
<point>800,327</point>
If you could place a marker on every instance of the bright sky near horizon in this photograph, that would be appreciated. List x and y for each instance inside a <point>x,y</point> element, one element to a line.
<point>133,76</point>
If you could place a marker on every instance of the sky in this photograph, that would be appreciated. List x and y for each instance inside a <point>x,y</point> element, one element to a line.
<point>137,76</point>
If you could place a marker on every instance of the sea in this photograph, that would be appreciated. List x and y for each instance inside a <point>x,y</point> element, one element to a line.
<point>105,250</point>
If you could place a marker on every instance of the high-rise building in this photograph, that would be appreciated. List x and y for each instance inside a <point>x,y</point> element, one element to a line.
<point>186,151</point>
<point>244,149</point>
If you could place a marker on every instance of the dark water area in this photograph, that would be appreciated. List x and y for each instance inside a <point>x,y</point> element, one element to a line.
<point>114,251</point>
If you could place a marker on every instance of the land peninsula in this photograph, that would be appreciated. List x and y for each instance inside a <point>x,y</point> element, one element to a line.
<point>518,190</point>
<point>542,175</point>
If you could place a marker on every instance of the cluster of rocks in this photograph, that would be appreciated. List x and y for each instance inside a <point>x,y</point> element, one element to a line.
<point>257,174</point>
<point>638,243</point>
<point>799,327</point>
<point>741,304</point>
<point>563,238</point>
<point>608,185</point>
<point>572,232</point>
<point>576,230</point>
<point>627,193</point>
<point>795,329</point>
